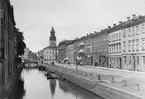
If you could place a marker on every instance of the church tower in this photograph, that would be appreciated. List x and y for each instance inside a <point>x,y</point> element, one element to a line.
<point>52,38</point>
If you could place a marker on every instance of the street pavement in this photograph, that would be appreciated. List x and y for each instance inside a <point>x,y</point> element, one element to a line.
<point>107,71</point>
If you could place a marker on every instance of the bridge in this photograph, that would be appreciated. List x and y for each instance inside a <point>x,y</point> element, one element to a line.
<point>30,62</point>
<point>22,65</point>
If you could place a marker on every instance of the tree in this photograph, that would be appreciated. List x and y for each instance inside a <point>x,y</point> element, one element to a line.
<point>20,45</point>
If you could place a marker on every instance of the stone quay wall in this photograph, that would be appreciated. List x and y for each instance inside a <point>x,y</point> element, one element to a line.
<point>95,87</point>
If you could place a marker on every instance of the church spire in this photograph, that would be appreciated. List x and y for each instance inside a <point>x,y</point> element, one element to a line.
<point>52,38</point>
<point>52,34</point>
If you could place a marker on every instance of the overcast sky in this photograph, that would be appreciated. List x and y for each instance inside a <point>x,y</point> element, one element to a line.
<point>70,18</point>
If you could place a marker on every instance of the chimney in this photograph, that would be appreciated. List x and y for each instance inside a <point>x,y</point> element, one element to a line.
<point>133,16</point>
<point>109,27</point>
<point>114,24</point>
<point>128,18</point>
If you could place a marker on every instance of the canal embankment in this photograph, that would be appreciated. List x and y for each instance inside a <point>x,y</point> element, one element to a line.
<point>7,87</point>
<point>95,84</point>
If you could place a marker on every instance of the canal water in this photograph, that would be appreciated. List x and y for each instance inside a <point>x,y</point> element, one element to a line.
<point>33,84</point>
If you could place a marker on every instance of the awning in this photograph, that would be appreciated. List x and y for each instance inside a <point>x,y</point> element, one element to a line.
<point>82,43</point>
<point>66,59</point>
<point>81,51</point>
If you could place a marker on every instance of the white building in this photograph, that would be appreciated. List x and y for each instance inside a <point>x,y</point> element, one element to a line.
<point>50,52</point>
<point>133,40</point>
<point>115,58</point>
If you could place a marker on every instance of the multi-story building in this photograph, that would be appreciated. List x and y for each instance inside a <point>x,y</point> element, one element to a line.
<point>115,44</point>
<point>89,49</point>
<point>79,49</point>
<point>62,50</point>
<point>26,53</point>
<point>133,41</point>
<point>100,48</point>
<point>7,48</point>
<point>40,54</point>
<point>70,52</point>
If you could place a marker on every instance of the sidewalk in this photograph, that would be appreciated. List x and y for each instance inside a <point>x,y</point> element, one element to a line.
<point>107,71</point>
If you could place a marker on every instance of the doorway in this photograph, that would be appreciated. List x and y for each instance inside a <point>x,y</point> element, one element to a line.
<point>134,66</point>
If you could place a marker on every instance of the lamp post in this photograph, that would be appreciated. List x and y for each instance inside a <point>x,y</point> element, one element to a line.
<point>76,63</point>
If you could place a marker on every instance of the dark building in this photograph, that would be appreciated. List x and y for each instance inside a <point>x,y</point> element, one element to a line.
<point>8,37</point>
<point>62,50</point>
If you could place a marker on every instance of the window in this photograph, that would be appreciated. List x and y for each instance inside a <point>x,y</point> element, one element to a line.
<point>125,59</point>
<point>111,49</point>
<point>114,48</point>
<point>143,44</point>
<point>129,32</point>
<point>110,38</point>
<point>124,33</point>
<point>133,45</point>
<point>137,30</point>
<point>129,45</point>
<point>119,36</point>
<point>137,60</point>
<point>143,59</point>
<point>143,29</point>
<point>137,44</point>
<point>119,47</point>
<point>124,46</point>
<point>114,37</point>
<point>133,31</point>
<point>129,59</point>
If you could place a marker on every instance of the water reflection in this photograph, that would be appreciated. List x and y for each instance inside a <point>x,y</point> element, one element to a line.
<point>19,91</point>
<point>80,93</point>
<point>52,83</point>
<point>35,85</point>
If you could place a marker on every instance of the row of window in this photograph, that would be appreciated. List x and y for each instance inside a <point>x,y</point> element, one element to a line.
<point>134,60</point>
<point>53,53</point>
<point>135,30</point>
<point>115,48</point>
<point>133,45</point>
<point>128,60</point>
<point>50,57</point>
<point>115,37</point>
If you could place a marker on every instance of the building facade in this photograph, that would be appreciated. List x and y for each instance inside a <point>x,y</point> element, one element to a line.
<point>89,49</point>
<point>62,50</point>
<point>7,48</point>
<point>70,52</point>
<point>50,52</point>
<point>79,50</point>
<point>133,40</point>
<point>115,46</point>
<point>100,48</point>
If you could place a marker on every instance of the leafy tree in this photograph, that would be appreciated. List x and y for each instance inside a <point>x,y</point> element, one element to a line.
<point>20,45</point>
